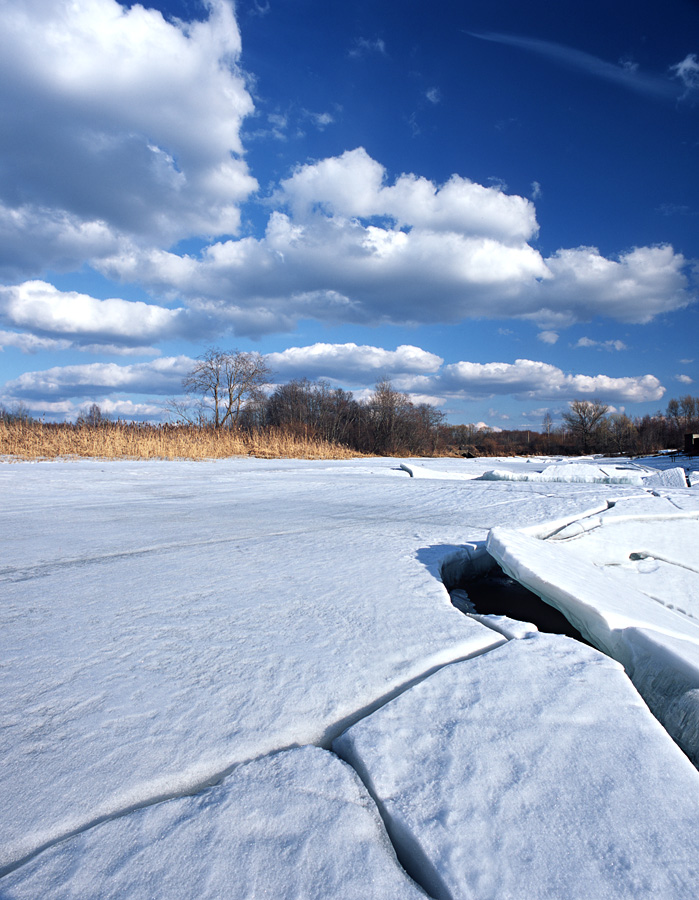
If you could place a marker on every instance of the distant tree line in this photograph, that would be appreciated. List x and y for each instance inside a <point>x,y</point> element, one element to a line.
<point>592,429</point>
<point>230,390</point>
<point>588,427</point>
<point>388,423</point>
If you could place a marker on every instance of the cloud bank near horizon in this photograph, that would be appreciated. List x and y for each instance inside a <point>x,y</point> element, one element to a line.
<point>422,375</point>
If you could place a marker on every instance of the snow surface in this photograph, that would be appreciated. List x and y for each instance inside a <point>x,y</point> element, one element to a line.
<point>162,623</point>
<point>165,625</point>
<point>588,473</point>
<point>628,579</point>
<point>295,824</point>
<point>534,771</point>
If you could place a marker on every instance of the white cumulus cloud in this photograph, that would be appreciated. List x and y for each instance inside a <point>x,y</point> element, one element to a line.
<point>161,376</point>
<point>411,369</point>
<point>42,307</point>
<point>353,363</point>
<point>688,73</point>
<point>601,345</point>
<point>354,185</point>
<point>31,343</point>
<point>134,124</point>
<point>636,287</point>
<point>346,245</point>
<point>527,379</point>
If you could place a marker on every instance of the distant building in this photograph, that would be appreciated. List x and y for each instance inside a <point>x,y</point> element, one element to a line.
<point>691,444</point>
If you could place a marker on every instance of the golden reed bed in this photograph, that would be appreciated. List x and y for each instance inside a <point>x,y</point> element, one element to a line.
<point>116,440</point>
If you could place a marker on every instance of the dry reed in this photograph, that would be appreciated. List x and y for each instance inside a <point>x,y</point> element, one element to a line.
<point>117,440</point>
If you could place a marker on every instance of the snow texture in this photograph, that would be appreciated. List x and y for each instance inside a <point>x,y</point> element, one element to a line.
<point>628,579</point>
<point>169,631</point>
<point>534,771</point>
<point>297,824</point>
<point>162,623</point>
<point>420,471</point>
<point>588,473</point>
<point>674,477</point>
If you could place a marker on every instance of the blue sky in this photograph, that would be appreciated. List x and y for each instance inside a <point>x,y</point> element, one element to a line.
<point>493,204</point>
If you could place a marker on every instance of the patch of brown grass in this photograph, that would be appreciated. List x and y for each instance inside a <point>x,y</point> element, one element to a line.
<point>117,440</point>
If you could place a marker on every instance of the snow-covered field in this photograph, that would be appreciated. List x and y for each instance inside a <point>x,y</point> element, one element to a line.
<point>246,678</point>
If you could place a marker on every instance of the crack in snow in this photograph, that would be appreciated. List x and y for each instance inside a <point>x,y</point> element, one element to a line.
<point>324,741</point>
<point>16,574</point>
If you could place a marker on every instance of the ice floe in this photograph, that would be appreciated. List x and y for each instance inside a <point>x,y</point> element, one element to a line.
<point>588,473</point>
<point>628,579</point>
<point>296,824</point>
<point>168,629</point>
<point>162,623</point>
<point>534,771</point>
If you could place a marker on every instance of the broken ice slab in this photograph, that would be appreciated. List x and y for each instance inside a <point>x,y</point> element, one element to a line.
<point>607,613</point>
<point>185,618</point>
<point>668,478</point>
<point>297,824</point>
<point>575,473</point>
<point>534,771</point>
<point>616,580</point>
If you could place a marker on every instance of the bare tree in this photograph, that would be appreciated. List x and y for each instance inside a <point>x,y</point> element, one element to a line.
<point>690,410</point>
<point>91,416</point>
<point>674,413</point>
<point>388,416</point>
<point>584,420</point>
<point>623,434</point>
<point>221,384</point>
<point>547,425</point>
<point>18,413</point>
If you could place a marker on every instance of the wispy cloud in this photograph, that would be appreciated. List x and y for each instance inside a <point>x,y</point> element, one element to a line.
<point>601,345</point>
<point>687,72</point>
<point>625,74</point>
<point>259,9</point>
<point>320,120</point>
<point>676,209</point>
<point>365,46</point>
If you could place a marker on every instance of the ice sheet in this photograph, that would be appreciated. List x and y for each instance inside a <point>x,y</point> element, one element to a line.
<point>419,470</point>
<point>163,622</point>
<point>534,771</point>
<point>590,473</point>
<point>658,554</point>
<point>297,824</point>
<point>674,477</point>
<point>611,599</point>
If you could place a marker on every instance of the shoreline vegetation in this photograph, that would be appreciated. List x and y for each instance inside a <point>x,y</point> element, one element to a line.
<point>302,420</point>
<point>127,440</point>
